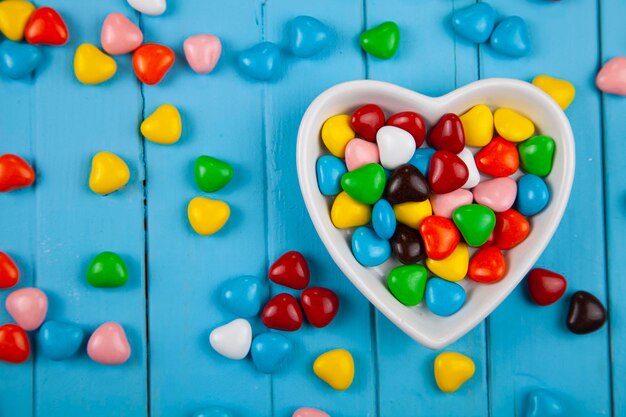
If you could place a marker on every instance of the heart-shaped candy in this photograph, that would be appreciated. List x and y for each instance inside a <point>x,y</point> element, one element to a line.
<point>290,270</point>
<point>207,216</point>
<point>498,194</point>
<point>320,306</point>
<point>347,212</point>
<point>440,235</point>
<point>412,123</point>
<point>9,273</point>
<point>512,126</point>
<point>475,222</point>
<point>368,248</point>
<point>487,266</point>
<point>261,62</point>
<point>499,158</point>
<point>360,152</point>
<point>452,370</point>
<point>336,133</point>
<point>307,36</point>
<point>473,176</point>
<point>421,159</point>
<point>92,66</point>
<point>612,77</point>
<point>14,15</point>
<point>119,35</point>
<point>336,368</point>
<point>537,155</point>
<point>269,351</point>
<point>381,41</point>
<point>447,134</point>
<point>214,411</point>
<point>212,174</point>
<point>445,204</point>
<point>454,267</point>
<point>474,22</point>
<point>511,37</point>
<point>108,345</point>
<point>543,403</point>
<point>447,172</point>
<point>366,184</point>
<point>28,307</point>
<point>329,171</point>
<point>309,412</point>
<point>477,124</point>
<point>561,91</point>
<point>412,213</point>
<point>46,27</point>
<point>202,52</point>
<point>14,344</point>
<point>407,245</point>
<point>586,313</point>
<point>383,219</point>
<point>109,173</point>
<point>164,126</point>
<point>395,146</point>
<point>545,287</point>
<point>282,312</point>
<point>533,195</point>
<point>244,296</point>
<point>15,173</point>
<point>407,283</point>
<point>19,60</point>
<point>511,229</point>
<point>149,7</point>
<point>58,340</point>
<point>107,270</point>
<point>152,61</point>
<point>367,120</point>
<point>444,298</point>
<point>232,340</point>
<point>407,183</point>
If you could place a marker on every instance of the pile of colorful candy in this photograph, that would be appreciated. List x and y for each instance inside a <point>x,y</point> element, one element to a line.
<point>432,203</point>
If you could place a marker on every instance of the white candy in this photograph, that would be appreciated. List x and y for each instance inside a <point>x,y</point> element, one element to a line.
<point>149,7</point>
<point>474,176</point>
<point>233,339</point>
<point>396,146</point>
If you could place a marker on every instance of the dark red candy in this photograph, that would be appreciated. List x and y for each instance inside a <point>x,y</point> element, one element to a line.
<point>545,287</point>
<point>447,134</point>
<point>320,305</point>
<point>366,120</point>
<point>14,344</point>
<point>407,183</point>
<point>282,312</point>
<point>46,27</point>
<point>407,245</point>
<point>499,158</point>
<point>412,123</point>
<point>9,274</point>
<point>447,172</point>
<point>290,270</point>
<point>586,313</point>
<point>511,229</point>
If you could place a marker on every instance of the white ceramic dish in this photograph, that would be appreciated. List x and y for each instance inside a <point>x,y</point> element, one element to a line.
<point>424,327</point>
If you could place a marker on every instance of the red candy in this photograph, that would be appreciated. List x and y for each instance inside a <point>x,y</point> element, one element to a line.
<point>412,123</point>
<point>487,266</point>
<point>9,274</point>
<point>545,287</point>
<point>15,173</point>
<point>366,120</point>
<point>499,158</point>
<point>447,134</point>
<point>440,235</point>
<point>14,344</point>
<point>320,305</point>
<point>290,270</point>
<point>511,229</point>
<point>282,312</point>
<point>447,172</point>
<point>46,27</point>
<point>152,61</point>
<point>489,242</point>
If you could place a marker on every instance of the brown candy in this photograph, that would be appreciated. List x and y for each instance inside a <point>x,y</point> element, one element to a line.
<point>586,313</point>
<point>406,184</point>
<point>407,244</point>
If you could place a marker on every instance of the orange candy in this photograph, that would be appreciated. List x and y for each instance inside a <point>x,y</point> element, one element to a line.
<point>499,158</point>
<point>440,235</point>
<point>152,61</point>
<point>511,229</point>
<point>487,266</point>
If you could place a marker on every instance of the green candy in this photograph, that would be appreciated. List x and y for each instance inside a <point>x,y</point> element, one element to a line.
<point>475,222</point>
<point>107,270</point>
<point>366,184</point>
<point>381,41</point>
<point>212,174</point>
<point>407,283</point>
<point>537,154</point>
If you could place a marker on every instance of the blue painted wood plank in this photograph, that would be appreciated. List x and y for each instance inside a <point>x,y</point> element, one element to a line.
<point>288,224</point>
<point>72,123</point>
<point>222,117</point>
<point>431,61</point>
<point>530,346</point>
<point>614,108</point>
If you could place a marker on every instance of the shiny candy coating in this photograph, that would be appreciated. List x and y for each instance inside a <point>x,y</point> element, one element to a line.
<point>475,22</point>
<point>329,170</point>
<point>366,184</point>
<point>307,36</point>
<point>537,154</point>
<point>109,173</point>
<point>477,123</point>
<point>336,368</point>
<point>447,172</point>
<point>149,7</point>
<point>611,78</point>
<point>108,345</point>
<point>498,194</point>
<point>367,120</point>
<point>383,219</point>
<point>336,133</point>
<point>421,159</point>
<point>381,41</point>
<point>412,213</point>
<point>309,412</point>
<point>360,152</point>
<point>282,312</point>
<point>411,122</point>
<point>452,370</point>
<point>58,340</point>
<point>9,272</point>
<point>107,270</point>
<point>269,351</point>
<point>407,245</point>
<point>152,61</point>
<point>445,204</point>
<point>164,126</point>
<point>14,344</point>
<point>119,35</point>
<point>14,15</point>
<point>447,134</point>
<point>15,173</point>
<point>214,411</point>
<point>511,229</point>
<point>28,307</point>
<point>454,267</point>
<point>545,287</point>
<point>212,174</point>
<point>487,266</point>
<point>245,295</point>
<point>533,195</point>
<point>407,283</point>
<point>405,184</point>
<point>543,403</point>
<point>510,37</point>
<point>444,298</point>
<point>92,66</point>
<point>475,222</point>
<point>586,313</point>
<point>347,212</point>
<point>395,146</point>
<point>368,248</point>
<point>440,235</point>
<point>290,270</point>
<point>499,158</point>
<point>232,340</point>
<point>19,60</point>
<point>562,91</point>
<point>320,306</point>
<point>512,126</point>
<point>46,27</point>
<point>261,62</point>
<point>473,176</point>
<point>202,52</point>
<point>207,216</point>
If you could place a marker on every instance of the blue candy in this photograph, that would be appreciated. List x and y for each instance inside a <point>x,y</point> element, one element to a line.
<point>307,36</point>
<point>269,351</point>
<point>261,62</point>
<point>532,195</point>
<point>542,403</point>
<point>368,248</point>
<point>475,22</point>
<point>19,60</point>
<point>444,298</point>
<point>511,37</point>
<point>383,219</point>
<point>421,159</point>
<point>245,295</point>
<point>330,169</point>
<point>214,411</point>
<point>58,340</point>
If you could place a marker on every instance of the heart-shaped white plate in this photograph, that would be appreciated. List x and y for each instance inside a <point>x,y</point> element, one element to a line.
<point>426,328</point>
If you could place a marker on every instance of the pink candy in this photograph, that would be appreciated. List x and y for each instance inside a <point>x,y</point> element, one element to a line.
<point>108,345</point>
<point>498,194</point>
<point>360,152</point>
<point>445,204</point>
<point>28,307</point>
<point>202,52</point>
<point>309,412</point>
<point>612,77</point>
<point>119,35</point>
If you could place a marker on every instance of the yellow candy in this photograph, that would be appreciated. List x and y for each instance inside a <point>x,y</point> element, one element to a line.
<point>14,15</point>
<point>336,368</point>
<point>454,267</point>
<point>336,133</point>
<point>108,173</point>
<point>512,126</point>
<point>164,126</point>
<point>561,91</point>
<point>411,214</point>
<point>207,216</point>
<point>478,125</point>
<point>452,370</point>
<point>347,212</point>
<point>92,66</point>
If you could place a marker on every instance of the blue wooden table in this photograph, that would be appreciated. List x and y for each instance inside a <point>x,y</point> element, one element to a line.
<point>170,302</point>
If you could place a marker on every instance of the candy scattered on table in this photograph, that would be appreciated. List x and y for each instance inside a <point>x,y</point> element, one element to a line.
<point>149,7</point>
<point>28,307</point>
<point>92,66</point>
<point>15,173</point>
<point>336,368</point>
<point>14,344</point>
<point>9,272</point>
<point>309,412</point>
<point>320,306</point>
<point>381,41</point>
<point>164,126</point>
<point>269,351</point>
<point>108,345</point>
<point>545,287</point>
<point>261,62</point>
<point>14,15</point>
<point>107,270</point>
<point>202,52</point>
<point>119,35</point>
<point>511,37</point>
<point>152,61</point>
<point>109,173</point>
<point>214,411</point>
<point>407,283</point>
<point>307,36</point>
<point>19,60</point>
<point>290,270</point>
<point>212,174</point>
<point>46,27</point>
<point>586,313</point>
<point>612,76</point>
<point>245,295</point>
<point>444,298</point>
<point>543,403</point>
<point>452,370</point>
<point>232,340</point>
<point>561,91</point>
<point>207,216</point>
<point>282,312</point>
<point>59,341</point>
<point>475,22</point>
